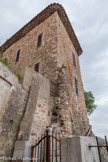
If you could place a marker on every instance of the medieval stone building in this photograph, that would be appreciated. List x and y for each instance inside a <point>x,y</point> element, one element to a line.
<point>46,54</point>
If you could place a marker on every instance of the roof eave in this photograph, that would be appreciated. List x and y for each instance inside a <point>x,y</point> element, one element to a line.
<point>39,19</point>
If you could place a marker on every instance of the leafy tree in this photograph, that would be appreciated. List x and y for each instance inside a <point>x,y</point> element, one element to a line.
<point>89,100</point>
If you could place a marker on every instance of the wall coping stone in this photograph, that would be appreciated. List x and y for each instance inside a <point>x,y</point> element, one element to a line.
<point>7,75</point>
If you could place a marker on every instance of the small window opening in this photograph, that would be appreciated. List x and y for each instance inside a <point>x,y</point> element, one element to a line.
<point>74,62</point>
<point>37,67</point>
<point>17,55</point>
<point>76,86</point>
<point>39,42</point>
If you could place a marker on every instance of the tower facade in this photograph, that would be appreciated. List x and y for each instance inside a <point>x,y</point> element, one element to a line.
<point>49,46</point>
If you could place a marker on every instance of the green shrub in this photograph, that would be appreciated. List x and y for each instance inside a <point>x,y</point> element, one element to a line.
<point>6,62</point>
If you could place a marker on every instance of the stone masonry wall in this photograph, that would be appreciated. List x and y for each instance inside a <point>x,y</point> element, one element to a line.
<point>72,107</point>
<point>46,54</point>
<point>25,112</point>
<point>37,116</point>
<point>12,104</point>
<point>54,53</point>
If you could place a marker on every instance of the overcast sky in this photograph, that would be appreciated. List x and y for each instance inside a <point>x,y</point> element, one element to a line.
<point>89,19</point>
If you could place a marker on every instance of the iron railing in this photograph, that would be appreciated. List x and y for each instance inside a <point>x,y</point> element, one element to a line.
<point>100,145</point>
<point>47,148</point>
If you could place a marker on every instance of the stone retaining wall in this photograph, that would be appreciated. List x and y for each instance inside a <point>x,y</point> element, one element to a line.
<point>12,105</point>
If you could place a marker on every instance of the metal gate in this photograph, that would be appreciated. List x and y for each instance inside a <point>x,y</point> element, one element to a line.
<point>100,145</point>
<point>47,148</point>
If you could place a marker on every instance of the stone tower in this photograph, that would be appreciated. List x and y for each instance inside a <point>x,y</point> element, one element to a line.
<point>48,47</point>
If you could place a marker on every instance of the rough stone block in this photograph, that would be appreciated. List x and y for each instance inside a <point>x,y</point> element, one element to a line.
<point>19,145</point>
<point>76,149</point>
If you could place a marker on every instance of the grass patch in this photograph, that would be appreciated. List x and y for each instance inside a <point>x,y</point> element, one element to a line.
<point>6,62</point>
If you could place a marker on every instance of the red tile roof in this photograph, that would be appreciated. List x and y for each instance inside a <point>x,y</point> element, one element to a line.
<point>39,19</point>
